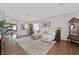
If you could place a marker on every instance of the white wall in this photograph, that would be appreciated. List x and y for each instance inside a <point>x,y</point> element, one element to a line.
<point>62,21</point>
<point>2,14</point>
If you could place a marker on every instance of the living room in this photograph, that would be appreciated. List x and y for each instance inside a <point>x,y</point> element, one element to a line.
<point>34,28</point>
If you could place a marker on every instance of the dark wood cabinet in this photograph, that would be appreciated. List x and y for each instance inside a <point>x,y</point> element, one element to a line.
<point>73,29</point>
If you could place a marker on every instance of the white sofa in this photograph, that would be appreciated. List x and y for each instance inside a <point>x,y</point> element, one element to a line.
<point>48,37</point>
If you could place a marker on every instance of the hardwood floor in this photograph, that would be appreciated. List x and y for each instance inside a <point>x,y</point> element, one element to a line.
<point>65,48</point>
<point>11,47</point>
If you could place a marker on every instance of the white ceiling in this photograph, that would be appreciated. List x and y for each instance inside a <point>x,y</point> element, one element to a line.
<point>37,10</point>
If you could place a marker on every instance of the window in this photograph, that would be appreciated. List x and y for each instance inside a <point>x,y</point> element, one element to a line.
<point>36,27</point>
<point>14,27</point>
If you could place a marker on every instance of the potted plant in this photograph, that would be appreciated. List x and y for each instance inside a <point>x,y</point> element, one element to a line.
<point>4,31</point>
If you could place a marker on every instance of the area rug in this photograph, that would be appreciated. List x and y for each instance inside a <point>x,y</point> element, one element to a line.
<point>35,47</point>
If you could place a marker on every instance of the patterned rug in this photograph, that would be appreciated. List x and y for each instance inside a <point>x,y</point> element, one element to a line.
<point>35,47</point>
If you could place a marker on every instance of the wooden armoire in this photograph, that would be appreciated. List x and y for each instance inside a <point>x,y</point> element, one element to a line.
<point>74,29</point>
